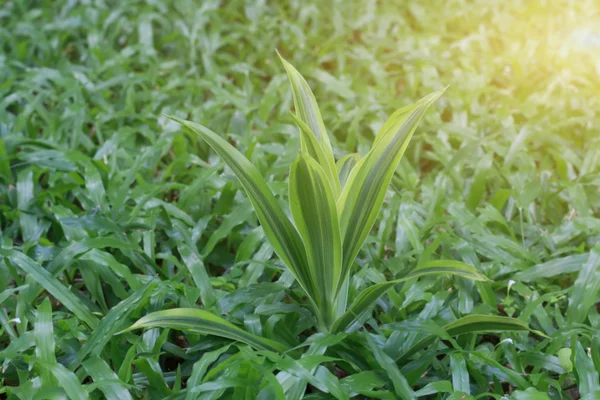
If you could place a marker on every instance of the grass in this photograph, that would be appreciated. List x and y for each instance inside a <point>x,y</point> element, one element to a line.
<point>110,211</point>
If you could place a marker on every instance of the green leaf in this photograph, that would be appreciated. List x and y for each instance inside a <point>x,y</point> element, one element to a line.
<point>5,173</point>
<point>311,146</point>
<point>68,381</point>
<point>460,375</point>
<point>487,323</point>
<point>587,376</point>
<point>112,323</point>
<point>345,165</point>
<point>475,324</point>
<point>369,295</point>
<point>277,227</point>
<point>584,290</point>
<point>368,182</point>
<point>203,322</point>
<point>196,267</point>
<point>564,357</point>
<point>52,285</point>
<point>108,382</point>
<point>400,383</point>
<point>308,112</point>
<point>315,215</point>
<point>44,339</point>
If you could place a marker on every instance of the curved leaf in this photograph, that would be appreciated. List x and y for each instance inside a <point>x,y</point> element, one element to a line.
<point>277,227</point>
<point>311,146</point>
<point>315,215</point>
<point>52,285</point>
<point>308,111</point>
<point>201,321</point>
<point>372,293</point>
<point>108,382</point>
<point>367,184</point>
<point>475,324</point>
<point>345,165</point>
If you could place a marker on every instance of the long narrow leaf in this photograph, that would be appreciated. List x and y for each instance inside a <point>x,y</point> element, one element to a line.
<point>311,146</point>
<point>277,227</point>
<point>367,184</point>
<point>201,321</point>
<point>475,324</point>
<point>372,293</point>
<point>345,165</point>
<point>106,379</point>
<point>308,111</point>
<point>44,339</point>
<point>52,285</point>
<point>315,215</point>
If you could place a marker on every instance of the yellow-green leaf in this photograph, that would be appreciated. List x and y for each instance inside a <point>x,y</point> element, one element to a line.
<point>315,214</point>
<point>367,184</point>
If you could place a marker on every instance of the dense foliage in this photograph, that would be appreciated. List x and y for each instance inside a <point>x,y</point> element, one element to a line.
<point>111,212</point>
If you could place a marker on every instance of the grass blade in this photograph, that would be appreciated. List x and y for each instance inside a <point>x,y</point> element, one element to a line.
<point>201,321</point>
<point>400,383</point>
<point>108,382</point>
<point>277,227</point>
<point>52,285</point>
<point>460,375</point>
<point>68,381</point>
<point>584,290</point>
<point>372,293</point>
<point>44,339</point>
<point>367,184</point>
<point>476,324</point>
<point>587,376</point>
<point>315,215</point>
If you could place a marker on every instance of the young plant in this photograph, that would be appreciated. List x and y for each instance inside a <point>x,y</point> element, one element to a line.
<point>333,205</point>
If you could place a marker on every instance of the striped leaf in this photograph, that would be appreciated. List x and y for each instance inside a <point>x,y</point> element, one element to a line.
<point>201,321</point>
<point>345,165</point>
<point>367,184</point>
<point>315,215</point>
<point>372,293</point>
<point>277,227</point>
<point>311,146</point>
<point>308,112</point>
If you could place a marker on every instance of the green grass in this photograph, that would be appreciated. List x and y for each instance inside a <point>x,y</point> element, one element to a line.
<point>109,211</point>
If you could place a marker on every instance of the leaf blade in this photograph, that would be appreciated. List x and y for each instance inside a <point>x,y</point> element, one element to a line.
<point>372,293</point>
<point>201,321</point>
<point>308,111</point>
<point>315,214</point>
<point>277,227</point>
<point>365,189</point>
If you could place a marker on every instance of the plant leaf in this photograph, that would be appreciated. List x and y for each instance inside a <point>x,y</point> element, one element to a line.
<point>475,324</point>
<point>201,321</point>
<point>583,292</point>
<point>44,339</point>
<point>315,215</point>
<point>308,111</point>
<point>52,285</point>
<point>311,146</point>
<point>108,382</point>
<point>345,165</point>
<point>372,293</point>
<point>277,227</point>
<point>367,184</point>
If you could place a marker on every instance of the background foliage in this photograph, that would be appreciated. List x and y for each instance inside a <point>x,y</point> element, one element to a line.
<point>108,210</point>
